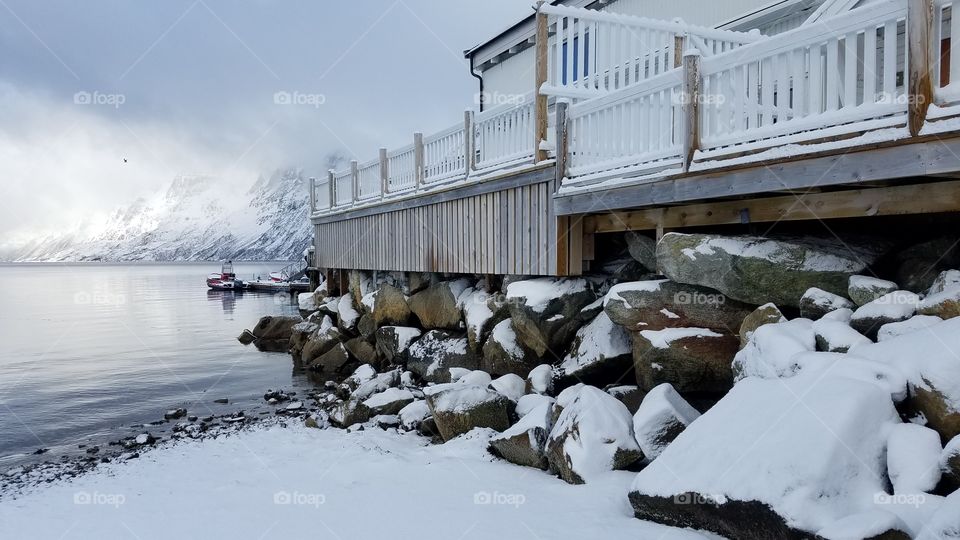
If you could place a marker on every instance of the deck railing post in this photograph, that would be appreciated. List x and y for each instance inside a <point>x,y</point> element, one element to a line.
<point>313,195</point>
<point>691,107</point>
<point>332,179</point>
<point>920,62</point>
<point>679,49</point>
<point>384,173</point>
<point>418,159</point>
<point>563,143</point>
<point>355,183</point>
<point>540,110</point>
<point>468,151</point>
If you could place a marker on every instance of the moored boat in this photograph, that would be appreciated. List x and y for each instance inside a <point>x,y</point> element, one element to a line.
<point>226,280</point>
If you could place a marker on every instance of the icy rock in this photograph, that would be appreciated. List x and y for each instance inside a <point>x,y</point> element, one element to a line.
<point>816,303</point>
<point>436,306</point>
<point>593,435</point>
<point>865,289</point>
<point>928,360</point>
<point>758,465</point>
<point>691,359</point>
<point>661,418</point>
<point>510,385</point>
<point>890,308</point>
<point>504,353</point>
<point>389,402</point>
<point>945,305</point>
<point>869,525</point>
<point>836,336</point>
<point>659,304</point>
<point>630,395</point>
<point>393,342</point>
<point>769,352</point>
<point>524,443</point>
<point>909,326</point>
<point>760,270</point>
<point>546,312</point>
<point>763,315</point>
<point>273,333</point>
<point>913,459</point>
<point>540,379</point>
<point>434,354</point>
<point>601,354</point>
<point>459,410</point>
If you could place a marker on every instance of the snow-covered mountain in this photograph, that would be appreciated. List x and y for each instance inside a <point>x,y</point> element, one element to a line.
<point>196,218</point>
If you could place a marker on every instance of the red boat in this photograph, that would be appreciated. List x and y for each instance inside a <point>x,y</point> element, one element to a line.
<point>226,280</point>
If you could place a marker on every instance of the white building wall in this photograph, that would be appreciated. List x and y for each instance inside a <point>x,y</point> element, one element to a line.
<point>696,12</point>
<point>514,76</point>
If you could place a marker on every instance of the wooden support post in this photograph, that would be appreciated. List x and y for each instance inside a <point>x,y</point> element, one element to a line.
<point>679,42</point>
<point>541,112</point>
<point>468,142</point>
<point>355,183</point>
<point>384,173</point>
<point>313,195</point>
<point>691,107</point>
<point>563,143</point>
<point>418,159</point>
<point>332,186</point>
<point>919,61</point>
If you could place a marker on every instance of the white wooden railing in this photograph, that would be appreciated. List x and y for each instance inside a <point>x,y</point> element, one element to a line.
<point>369,180</point>
<point>594,52</point>
<point>343,184</point>
<point>445,153</point>
<point>402,170</point>
<point>946,59</point>
<point>504,135</point>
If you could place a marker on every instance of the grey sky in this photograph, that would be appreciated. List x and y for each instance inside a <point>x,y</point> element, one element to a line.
<point>197,80</point>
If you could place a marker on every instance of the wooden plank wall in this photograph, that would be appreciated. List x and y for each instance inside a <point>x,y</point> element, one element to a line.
<point>508,232</point>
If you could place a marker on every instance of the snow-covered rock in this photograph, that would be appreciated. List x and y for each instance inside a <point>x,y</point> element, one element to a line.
<point>815,303</point>
<point>334,362</point>
<point>476,377</point>
<point>759,270</point>
<point>361,375</point>
<point>393,342</point>
<point>661,418</point>
<point>909,326</point>
<point>530,402</point>
<point>323,338</point>
<point>481,312</point>
<point>307,302</point>
<point>389,307</point>
<point>462,408</point>
<point>546,312</point>
<point>436,306</point>
<point>913,459</point>
<point>659,304</point>
<point>866,289</point>
<point>413,414</point>
<point>871,524</point>
<point>792,454</point>
<point>389,402</point>
<point>504,353</point>
<point>769,352</point>
<point>434,354</point>
<point>890,308</point>
<point>630,395</point>
<point>348,315</point>
<point>593,435</point>
<point>510,385</point>
<point>945,523</point>
<point>690,359</point>
<point>524,443</point>
<point>273,333</point>
<point>950,463</point>
<point>945,305</point>
<point>765,314</point>
<point>836,336</point>
<point>601,354</point>
<point>948,279</point>
<point>540,379</point>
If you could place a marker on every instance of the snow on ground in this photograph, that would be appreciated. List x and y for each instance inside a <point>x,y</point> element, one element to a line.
<point>297,482</point>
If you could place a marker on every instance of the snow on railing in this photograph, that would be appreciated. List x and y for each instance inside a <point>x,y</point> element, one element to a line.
<point>445,154</point>
<point>593,52</point>
<point>343,187</point>
<point>402,169</point>
<point>629,131</point>
<point>368,179</point>
<point>321,194</point>
<point>504,135</point>
<point>838,74</point>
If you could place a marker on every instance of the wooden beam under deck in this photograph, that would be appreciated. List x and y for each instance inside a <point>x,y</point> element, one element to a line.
<point>927,198</point>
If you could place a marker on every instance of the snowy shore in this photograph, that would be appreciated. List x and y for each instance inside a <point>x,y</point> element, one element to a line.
<point>275,482</point>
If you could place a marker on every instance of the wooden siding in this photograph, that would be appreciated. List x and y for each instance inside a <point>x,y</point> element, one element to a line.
<point>507,232</point>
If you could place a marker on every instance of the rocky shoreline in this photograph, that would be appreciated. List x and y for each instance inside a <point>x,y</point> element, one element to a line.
<point>761,387</point>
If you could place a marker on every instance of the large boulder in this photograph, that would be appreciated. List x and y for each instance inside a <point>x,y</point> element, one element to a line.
<point>643,249</point>
<point>661,418</point>
<point>525,442</point>
<point>771,349</point>
<point>504,353</point>
<point>929,361</point>
<point>393,342</point>
<point>546,312</point>
<point>890,308</point>
<point>593,435</point>
<point>817,303</point>
<point>359,284</point>
<point>333,363</point>
<point>273,333</point>
<point>436,306</point>
<point>510,385</point>
<point>436,353</point>
<point>347,314</point>
<point>659,304</point>
<point>764,464</point>
<point>760,270</point>
<point>865,289</point>
<point>763,315</point>
<point>601,354</point>
<point>461,408</point>
<point>325,337</point>
<point>389,402</point>
<point>693,360</point>
<point>947,279</point>
<point>388,306</point>
<point>541,380</point>
<point>362,351</point>
<point>913,459</point>
<point>482,311</point>
<point>301,334</point>
<point>945,304</point>
<point>921,264</point>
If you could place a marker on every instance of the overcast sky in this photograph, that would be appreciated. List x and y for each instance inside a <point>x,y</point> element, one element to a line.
<point>188,86</point>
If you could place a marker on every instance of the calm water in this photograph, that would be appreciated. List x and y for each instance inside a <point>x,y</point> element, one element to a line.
<point>88,350</point>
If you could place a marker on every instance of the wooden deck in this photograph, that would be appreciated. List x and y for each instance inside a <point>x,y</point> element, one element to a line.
<point>854,116</point>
